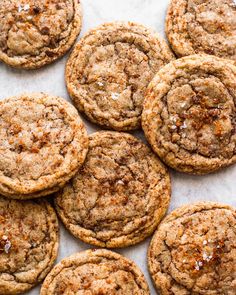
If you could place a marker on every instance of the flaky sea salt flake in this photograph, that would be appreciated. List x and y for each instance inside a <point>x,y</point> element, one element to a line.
<point>198,265</point>
<point>20,8</point>
<point>206,257</point>
<point>100,84</point>
<point>120,182</point>
<point>184,126</point>
<point>173,127</point>
<point>7,247</point>
<point>115,96</point>
<point>26,7</point>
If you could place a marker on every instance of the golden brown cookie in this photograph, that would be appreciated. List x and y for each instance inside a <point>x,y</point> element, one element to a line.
<point>119,195</point>
<point>202,26</point>
<point>95,272</point>
<point>189,114</point>
<point>34,33</point>
<point>43,143</point>
<point>28,244</point>
<point>193,251</point>
<point>109,70</point>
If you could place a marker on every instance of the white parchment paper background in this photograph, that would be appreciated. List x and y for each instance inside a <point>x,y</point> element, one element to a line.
<point>219,187</point>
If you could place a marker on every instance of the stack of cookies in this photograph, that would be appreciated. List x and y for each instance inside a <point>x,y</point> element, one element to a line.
<point>110,189</point>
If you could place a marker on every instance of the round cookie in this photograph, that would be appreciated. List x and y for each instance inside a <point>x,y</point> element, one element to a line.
<point>189,114</point>
<point>95,272</point>
<point>34,33</point>
<point>202,26</point>
<point>109,70</point>
<point>119,195</point>
<point>28,244</point>
<point>43,143</point>
<point>193,251</point>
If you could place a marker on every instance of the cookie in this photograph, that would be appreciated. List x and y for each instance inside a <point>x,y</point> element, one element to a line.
<point>34,33</point>
<point>202,26</point>
<point>109,70</point>
<point>28,244</point>
<point>193,251</point>
<point>43,143</point>
<point>119,195</point>
<point>189,114</point>
<point>95,272</point>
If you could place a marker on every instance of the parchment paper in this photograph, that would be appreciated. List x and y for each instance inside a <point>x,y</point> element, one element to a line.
<point>219,187</point>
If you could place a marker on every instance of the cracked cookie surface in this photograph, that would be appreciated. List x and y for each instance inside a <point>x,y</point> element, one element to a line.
<point>119,195</point>
<point>95,272</point>
<point>193,251</point>
<point>37,32</point>
<point>28,244</point>
<point>109,70</point>
<point>43,143</point>
<point>189,114</point>
<point>202,26</point>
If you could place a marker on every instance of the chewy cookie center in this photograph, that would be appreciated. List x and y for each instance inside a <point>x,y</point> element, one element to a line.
<point>101,278</point>
<point>27,137</point>
<point>116,78</point>
<point>24,240</point>
<point>28,27</point>
<point>114,181</point>
<point>201,251</point>
<point>212,24</point>
<point>201,117</point>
